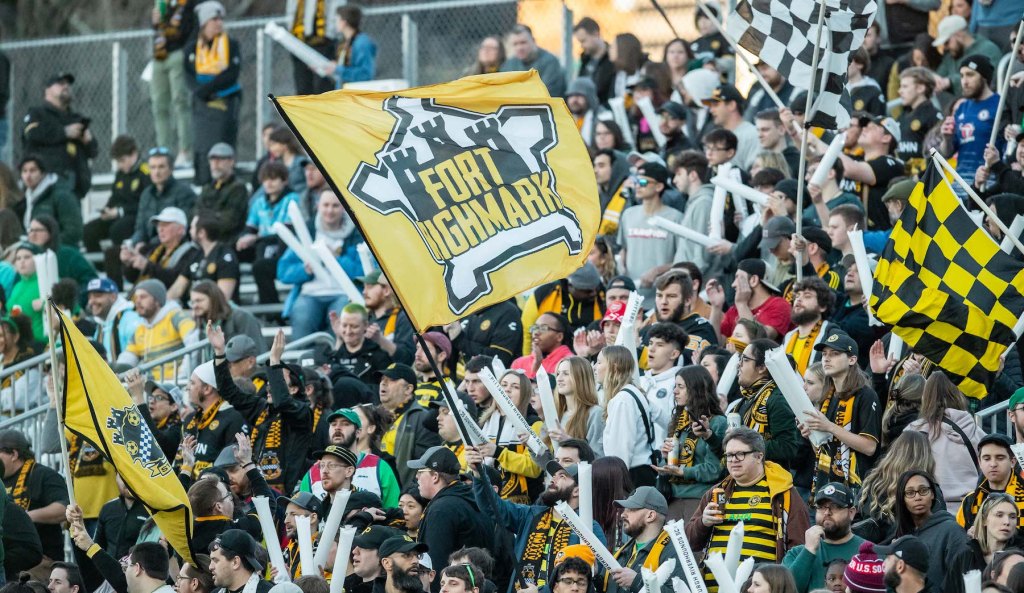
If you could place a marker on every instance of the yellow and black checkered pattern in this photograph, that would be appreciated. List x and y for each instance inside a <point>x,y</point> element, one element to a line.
<point>946,287</point>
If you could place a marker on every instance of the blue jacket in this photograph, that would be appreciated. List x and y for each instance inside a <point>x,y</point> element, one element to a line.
<point>291,270</point>
<point>517,518</point>
<point>363,65</point>
<point>263,215</point>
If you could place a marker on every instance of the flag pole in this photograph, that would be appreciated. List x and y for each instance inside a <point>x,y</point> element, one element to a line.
<point>944,164</point>
<point>801,183</point>
<point>1006,85</point>
<point>739,53</point>
<point>58,398</point>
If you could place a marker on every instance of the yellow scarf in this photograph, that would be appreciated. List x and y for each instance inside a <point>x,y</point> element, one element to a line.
<point>212,59</point>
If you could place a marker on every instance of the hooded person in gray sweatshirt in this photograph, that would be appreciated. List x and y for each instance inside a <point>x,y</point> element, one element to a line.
<point>585,107</point>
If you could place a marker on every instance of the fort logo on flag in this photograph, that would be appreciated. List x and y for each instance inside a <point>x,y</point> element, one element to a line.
<point>468,192</point>
<point>132,433</point>
<point>477,187</point>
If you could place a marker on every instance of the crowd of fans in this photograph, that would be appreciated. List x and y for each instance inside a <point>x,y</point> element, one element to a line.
<point>904,493</point>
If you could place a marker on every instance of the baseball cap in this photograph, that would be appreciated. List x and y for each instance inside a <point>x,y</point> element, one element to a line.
<point>362,499</point>
<point>397,370</point>
<point>371,278</point>
<point>616,311</point>
<point>348,414</point>
<point>373,536</point>
<point>347,456</point>
<point>239,347</point>
<point>622,282</point>
<point>909,549</point>
<point>206,374</point>
<point>948,26</point>
<point>996,438</point>
<point>889,125</point>
<point>836,492</point>
<point>101,285</point>
<point>865,573</point>
<point>437,458</point>
<point>585,278</point>
<point>400,544</point>
<point>655,171</point>
<point>756,267</point>
<point>14,440</point>
<point>840,342</point>
<point>171,214</point>
<point>776,229</point>
<point>980,64</point>
<point>849,260</point>
<point>819,237</point>
<point>645,497</point>
<point>673,109</point>
<point>439,340</point>
<point>305,500</point>
<point>221,150</point>
<point>900,190</point>
<point>241,544</point>
<point>553,467</point>
<point>62,77</point>
<point>1016,399</point>
<point>169,388</point>
<point>788,188</point>
<point>226,457</point>
<point>726,92</point>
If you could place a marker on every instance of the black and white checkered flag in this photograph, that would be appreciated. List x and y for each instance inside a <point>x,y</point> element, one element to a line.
<point>782,34</point>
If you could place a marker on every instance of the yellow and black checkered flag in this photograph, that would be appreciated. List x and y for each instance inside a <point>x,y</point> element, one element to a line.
<point>947,289</point>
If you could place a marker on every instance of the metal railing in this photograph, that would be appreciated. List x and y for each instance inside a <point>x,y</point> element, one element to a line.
<point>297,346</point>
<point>993,419</point>
<point>26,389</point>
<point>192,354</point>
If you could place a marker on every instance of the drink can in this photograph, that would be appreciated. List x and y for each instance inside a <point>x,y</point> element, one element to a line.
<point>734,420</point>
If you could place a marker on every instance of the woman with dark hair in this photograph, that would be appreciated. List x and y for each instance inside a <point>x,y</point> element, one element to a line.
<point>692,451</point>
<point>357,51</point>
<point>44,233</point>
<point>995,529</point>
<point>677,58</point>
<point>715,360</point>
<point>608,136</point>
<point>208,304</point>
<point>627,53</point>
<point>770,578</point>
<point>602,255</point>
<point>412,505</point>
<point>611,482</point>
<point>284,148</point>
<point>953,435</point>
<point>489,56</point>
<point>876,507</point>
<point>920,511</point>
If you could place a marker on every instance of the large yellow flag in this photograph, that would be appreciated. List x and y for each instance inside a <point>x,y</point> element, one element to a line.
<point>99,410</point>
<point>468,192</point>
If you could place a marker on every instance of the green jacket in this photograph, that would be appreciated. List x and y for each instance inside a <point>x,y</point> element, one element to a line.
<point>72,264</point>
<point>949,67</point>
<point>781,435</point>
<point>706,469</point>
<point>26,290</point>
<point>58,201</point>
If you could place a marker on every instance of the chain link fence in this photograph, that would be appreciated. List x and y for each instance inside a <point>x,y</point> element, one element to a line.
<point>422,42</point>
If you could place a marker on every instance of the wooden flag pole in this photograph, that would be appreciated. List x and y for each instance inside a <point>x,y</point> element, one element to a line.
<point>800,182</point>
<point>944,164</point>
<point>58,400</point>
<point>739,53</point>
<point>1006,85</point>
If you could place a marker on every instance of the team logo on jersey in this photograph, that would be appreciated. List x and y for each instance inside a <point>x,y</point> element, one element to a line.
<point>485,325</point>
<point>983,115</point>
<point>915,125</point>
<point>132,433</point>
<point>477,187</point>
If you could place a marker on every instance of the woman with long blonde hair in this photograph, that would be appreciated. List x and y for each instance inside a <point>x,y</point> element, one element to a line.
<point>580,416</point>
<point>520,474</point>
<point>878,492</point>
<point>628,430</point>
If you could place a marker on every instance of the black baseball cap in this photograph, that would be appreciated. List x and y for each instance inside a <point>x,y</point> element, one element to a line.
<point>840,342</point>
<point>341,453</point>
<point>373,536</point>
<point>655,171</point>
<point>305,500</point>
<point>727,92</point>
<point>836,492</point>
<point>397,370</point>
<point>819,237</point>
<point>997,439</point>
<point>64,77</point>
<point>673,109</point>
<point>553,467</point>
<point>909,549</point>
<point>240,543</point>
<point>438,458</point>
<point>622,282</point>
<point>363,499</point>
<point>400,544</point>
<point>756,267</point>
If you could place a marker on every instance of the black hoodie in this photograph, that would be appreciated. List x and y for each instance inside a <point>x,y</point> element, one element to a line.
<point>452,520</point>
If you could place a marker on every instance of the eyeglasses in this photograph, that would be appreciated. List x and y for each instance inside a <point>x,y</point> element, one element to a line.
<point>159,150</point>
<point>184,577</point>
<point>535,328</point>
<point>641,182</point>
<point>160,398</point>
<point>715,149</point>
<point>37,230</point>
<point>745,358</point>
<point>830,508</point>
<point>922,492</point>
<point>738,455</point>
<point>329,467</point>
<point>571,582</point>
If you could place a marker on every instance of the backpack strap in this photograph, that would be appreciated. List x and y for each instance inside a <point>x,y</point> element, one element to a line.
<point>647,421</point>
<point>967,442</point>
